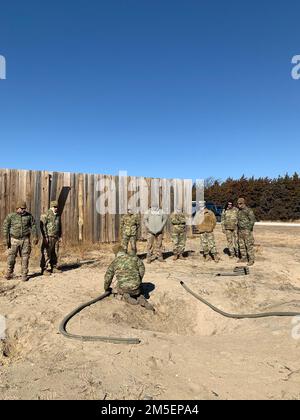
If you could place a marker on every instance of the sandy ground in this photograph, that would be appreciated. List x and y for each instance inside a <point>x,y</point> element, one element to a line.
<point>187,351</point>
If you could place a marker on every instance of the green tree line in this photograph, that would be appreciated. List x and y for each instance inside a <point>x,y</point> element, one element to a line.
<point>271,199</point>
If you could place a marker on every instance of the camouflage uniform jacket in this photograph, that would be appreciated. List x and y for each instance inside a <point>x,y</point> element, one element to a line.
<point>209,222</point>
<point>178,221</point>
<point>130,224</point>
<point>19,226</point>
<point>129,271</point>
<point>230,219</point>
<point>246,219</point>
<point>51,225</point>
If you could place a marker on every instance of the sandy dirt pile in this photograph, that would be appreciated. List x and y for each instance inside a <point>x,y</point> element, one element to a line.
<point>187,351</point>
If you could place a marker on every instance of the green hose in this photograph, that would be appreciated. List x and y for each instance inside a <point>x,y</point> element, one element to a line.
<point>237,316</point>
<point>114,340</point>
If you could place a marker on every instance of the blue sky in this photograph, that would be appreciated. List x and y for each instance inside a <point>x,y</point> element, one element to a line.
<point>159,88</point>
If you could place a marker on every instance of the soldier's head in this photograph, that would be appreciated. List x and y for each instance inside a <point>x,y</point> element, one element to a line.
<point>229,205</point>
<point>54,206</point>
<point>117,248</point>
<point>241,203</point>
<point>21,207</point>
<point>178,209</point>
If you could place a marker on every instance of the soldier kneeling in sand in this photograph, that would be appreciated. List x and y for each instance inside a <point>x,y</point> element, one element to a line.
<point>129,271</point>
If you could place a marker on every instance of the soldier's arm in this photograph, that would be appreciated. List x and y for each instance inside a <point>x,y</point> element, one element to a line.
<point>251,218</point>
<point>109,275</point>
<point>141,267</point>
<point>34,230</point>
<point>6,230</point>
<point>121,225</point>
<point>138,221</point>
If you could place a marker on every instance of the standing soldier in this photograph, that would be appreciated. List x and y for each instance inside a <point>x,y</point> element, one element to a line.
<point>178,221</point>
<point>246,222</point>
<point>52,232</point>
<point>18,228</point>
<point>129,271</point>
<point>129,227</point>
<point>206,230</point>
<point>229,228</point>
<point>155,221</point>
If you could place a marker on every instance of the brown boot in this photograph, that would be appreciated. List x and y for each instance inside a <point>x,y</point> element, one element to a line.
<point>250,263</point>
<point>128,299</point>
<point>46,273</point>
<point>56,270</point>
<point>175,257</point>
<point>25,278</point>
<point>181,257</point>
<point>144,303</point>
<point>216,258</point>
<point>9,275</point>
<point>161,259</point>
<point>206,258</point>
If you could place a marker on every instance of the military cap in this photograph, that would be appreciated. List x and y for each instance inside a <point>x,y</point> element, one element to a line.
<point>21,205</point>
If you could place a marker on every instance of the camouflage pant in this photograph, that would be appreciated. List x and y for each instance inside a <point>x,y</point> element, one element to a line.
<point>246,244</point>
<point>208,243</point>
<point>125,241</point>
<point>153,240</point>
<point>23,247</point>
<point>50,253</point>
<point>231,236</point>
<point>179,240</point>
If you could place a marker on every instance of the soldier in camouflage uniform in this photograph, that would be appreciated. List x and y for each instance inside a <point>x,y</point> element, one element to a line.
<point>246,222</point>
<point>129,227</point>
<point>18,228</point>
<point>129,271</point>
<point>207,238</point>
<point>52,232</point>
<point>229,228</point>
<point>178,222</point>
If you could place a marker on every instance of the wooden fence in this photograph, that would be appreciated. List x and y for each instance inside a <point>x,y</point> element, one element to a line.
<point>91,205</point>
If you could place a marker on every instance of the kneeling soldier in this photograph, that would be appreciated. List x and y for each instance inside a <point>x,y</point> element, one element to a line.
<point>129,271</point>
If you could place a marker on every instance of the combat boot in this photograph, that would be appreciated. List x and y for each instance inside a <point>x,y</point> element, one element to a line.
<point>9,275</point>
<point>149,259</point>
<point>128,299</point>
<point>250,263</point>
<point>207,258</point>
<point>144,303</point>
<point>181,257</point>
<point>25,278</point>
<point>56,270</point>
<point>46,273</point>
<point>161,259</point>
<point>175,257</point>
<point>216,258</point>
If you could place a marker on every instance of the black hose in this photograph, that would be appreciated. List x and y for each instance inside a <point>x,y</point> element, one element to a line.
<point>237,316</point>
<point>114,340</point>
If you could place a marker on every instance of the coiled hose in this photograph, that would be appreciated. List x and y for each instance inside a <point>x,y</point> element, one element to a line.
<point>237,316</point>
<point>114,340</point>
